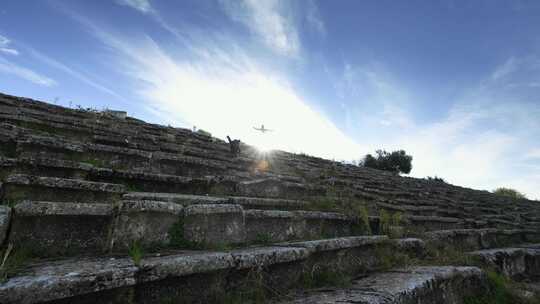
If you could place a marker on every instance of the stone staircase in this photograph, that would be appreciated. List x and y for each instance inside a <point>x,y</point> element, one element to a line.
<point>104,209</point>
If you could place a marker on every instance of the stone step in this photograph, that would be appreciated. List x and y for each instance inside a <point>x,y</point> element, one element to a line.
<point>189,277</point>
<point>277,188</point>
<point>50,167</point>
<point>441,285</point>
<point>19,187</point>
<point>474,239</point>
<point>115,157</point>
<point>245,202</point>
<point>47,167</point>
<point>52,229</point>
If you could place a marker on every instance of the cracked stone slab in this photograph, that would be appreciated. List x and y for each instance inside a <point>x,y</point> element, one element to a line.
<point>269,203</point>
<point>55,182</point>
<point>150,206</point>
<point>183,199</point>
<point>265,256</point>
<point>30,208</point>
<point>57,280</point>
<point>157,268</point>
<point>441,285</point>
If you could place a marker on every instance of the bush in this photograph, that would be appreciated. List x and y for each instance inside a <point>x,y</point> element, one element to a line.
<point>436,179</point>
<point>509,192</point>
<point>397,161</point>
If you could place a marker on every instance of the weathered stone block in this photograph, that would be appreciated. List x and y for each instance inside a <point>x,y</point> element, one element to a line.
<point>61,229</point>
<point>260,203</point>
<point>274,226</point>
<point>214,224</point>
<point>318,225</point>
<point>5,219</point>
<point>517,263</point>
<point>276,188</point>
<point>146,222</point>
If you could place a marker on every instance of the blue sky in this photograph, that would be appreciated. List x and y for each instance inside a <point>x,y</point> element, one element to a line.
<point>454,83</point>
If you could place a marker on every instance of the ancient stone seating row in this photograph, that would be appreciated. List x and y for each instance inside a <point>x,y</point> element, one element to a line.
<point>196,276</point>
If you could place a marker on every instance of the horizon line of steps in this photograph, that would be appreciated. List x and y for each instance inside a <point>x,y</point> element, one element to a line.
<point>196,276</point>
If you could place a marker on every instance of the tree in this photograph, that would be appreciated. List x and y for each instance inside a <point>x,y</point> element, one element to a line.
<point>509,192</point>
<point>397,161</point>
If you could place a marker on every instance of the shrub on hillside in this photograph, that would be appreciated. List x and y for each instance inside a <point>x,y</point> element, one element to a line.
<point>396,161</point>
<point>509,192</point>
<point>435,179</point>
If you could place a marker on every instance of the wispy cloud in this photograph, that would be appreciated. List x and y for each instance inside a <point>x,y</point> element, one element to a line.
<point>269,20</point>
<point>488,138</point>
<point>142,6</point>
<point>313,18</point>
<point>5,46</point>
<point>70,71</point>
<point>25,73</point>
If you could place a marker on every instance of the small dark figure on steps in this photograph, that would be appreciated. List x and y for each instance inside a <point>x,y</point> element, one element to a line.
<point>235,146</point>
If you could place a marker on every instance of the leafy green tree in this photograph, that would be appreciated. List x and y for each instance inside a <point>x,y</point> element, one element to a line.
<point>509,192</point>
<point>396,161</point>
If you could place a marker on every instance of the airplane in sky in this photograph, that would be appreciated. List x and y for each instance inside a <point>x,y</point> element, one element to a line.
<point>262,129</point>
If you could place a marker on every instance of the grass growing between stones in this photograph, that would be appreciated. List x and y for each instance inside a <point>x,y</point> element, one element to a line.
<point>136,253</point>
<point>263,239</point>
<point>12,261</point>
<point>324,276</point>
<point>502,291</point>
<point>178,241</point>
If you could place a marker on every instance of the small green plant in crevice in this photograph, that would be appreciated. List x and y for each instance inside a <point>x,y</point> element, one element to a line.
<point>133,188</point>
<point>388,257</point>
<point>263,238</point>
<point>12,261</point>
<point>176,237</point>
<point>178,241</point>
<point>384,222</point>
<point>449,255</point>
<point>136,253</point>
<point>323,276</point>
<point>9,203</point>
<point>97,163</point>
<point>396,219</point>
<point>363,216</point>
<point>501,291</point>
<point>251,290</point>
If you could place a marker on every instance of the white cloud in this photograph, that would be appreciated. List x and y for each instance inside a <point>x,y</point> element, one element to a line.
<point>142,6</point>
<point>508,67</point>
<point>313,18</point>
<point>9,51</point>
<point>270,20</point>
<point>5,46</point>
<point>533,153</point>
<point>4,41</point>
<point>25,73</point>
